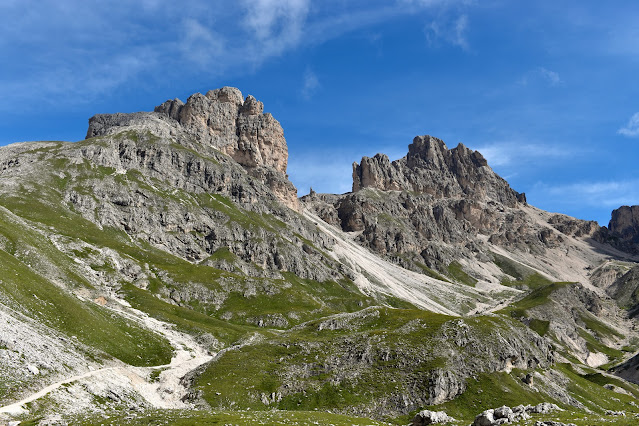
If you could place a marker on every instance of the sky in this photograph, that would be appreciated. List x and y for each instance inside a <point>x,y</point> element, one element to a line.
<point>547,91</point>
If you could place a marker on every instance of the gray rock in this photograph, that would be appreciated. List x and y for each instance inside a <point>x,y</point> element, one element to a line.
<point>485,418</point>
<point>543,408</point>
<point>427,417</point>
<point>504,412</point>
<point>429,207</point>
<point>221,119</point>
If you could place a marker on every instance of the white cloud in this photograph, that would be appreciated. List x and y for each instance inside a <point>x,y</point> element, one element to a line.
<point>461,25</point>
<point>311,84</point>
<point>276,24</point>
<point>84,50</point>
<point>450,31</point>
<point>609,194</point>
<point>506,154</point>
<point>550,76</point>
<point>632,128</point>
<point>199,44</point>
<point>541,74</point>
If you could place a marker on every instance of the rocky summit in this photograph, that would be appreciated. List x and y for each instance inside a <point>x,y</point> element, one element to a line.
<point>164,270</point>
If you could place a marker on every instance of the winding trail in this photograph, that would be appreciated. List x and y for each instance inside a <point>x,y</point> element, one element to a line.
<point>166,392</point>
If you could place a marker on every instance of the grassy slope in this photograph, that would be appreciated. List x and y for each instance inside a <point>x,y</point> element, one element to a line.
<point>25,290</point>
<point>195,418</point>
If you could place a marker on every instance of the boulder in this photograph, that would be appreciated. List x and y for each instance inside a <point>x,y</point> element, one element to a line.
<point>427,417</point>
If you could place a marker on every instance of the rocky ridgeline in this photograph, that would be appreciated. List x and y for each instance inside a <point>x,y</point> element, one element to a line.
<point>221,119</point>
<point>430,206</point>
<point>431,168</point>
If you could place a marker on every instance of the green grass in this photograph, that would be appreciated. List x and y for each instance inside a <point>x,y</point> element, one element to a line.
<point>429,272</point>
<point>187,320</point>
<point>391,352</point>
<point>491,391</point>
<point>224,254</point>
<point>599,328</point>
<point>96,327</point>
<point>537,297</point>
<point>614,355</point>
<point>241,376</point>
<point>457,273</point>
<point>204,418</point>
<point>524,276</point>
<point>588,389</point>
<point>531,282</point>
<point>539,326</point>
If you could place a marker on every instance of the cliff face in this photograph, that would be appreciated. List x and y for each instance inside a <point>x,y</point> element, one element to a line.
<point>222,119</point>
<point>431,168</point>
<point>431,205</point>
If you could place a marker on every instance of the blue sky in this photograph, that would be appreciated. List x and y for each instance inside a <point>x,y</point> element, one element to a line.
<point>546,90</point>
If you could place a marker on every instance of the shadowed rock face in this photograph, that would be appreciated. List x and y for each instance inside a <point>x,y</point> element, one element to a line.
<point>624,224</point>
<point>221,119</point>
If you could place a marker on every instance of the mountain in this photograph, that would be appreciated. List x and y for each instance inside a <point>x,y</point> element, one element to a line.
<point>166,263</point>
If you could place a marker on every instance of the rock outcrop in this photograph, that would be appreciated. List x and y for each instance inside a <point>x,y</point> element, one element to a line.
<point>431,168</point>
<point>429,207</point>
<point>625,290</point>
<point>505,414</point>
<point>221,119</point>
<point>623,229</point>
<point>427,417</point>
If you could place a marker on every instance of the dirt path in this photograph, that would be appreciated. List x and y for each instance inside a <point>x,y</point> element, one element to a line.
<point>165,392</point>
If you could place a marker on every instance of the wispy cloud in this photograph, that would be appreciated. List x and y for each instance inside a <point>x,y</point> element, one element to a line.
<point>311,84</point>
<point>449,31</point>
<point>515,153</point>
<point>609,194</point>
<point>550,76</point>
<point>199,44</point>
<point>632,128</point>
<point>85,50</point>
<point>276,24</point>
<point>541,74</point>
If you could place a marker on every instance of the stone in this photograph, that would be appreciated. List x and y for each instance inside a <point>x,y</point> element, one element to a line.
<point>504,412</point>
<point>431,207</point>
<point>485,418</point>
<point>427,417</point>
<point>529,379</point>
<point>543,408</point>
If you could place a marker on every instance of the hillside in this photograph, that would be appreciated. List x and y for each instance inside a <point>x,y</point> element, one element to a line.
<point>166,263</point>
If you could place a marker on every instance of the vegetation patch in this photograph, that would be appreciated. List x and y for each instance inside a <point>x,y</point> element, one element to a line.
<point>205,418</point>
<point>90,324</point>
<point>456,272</point>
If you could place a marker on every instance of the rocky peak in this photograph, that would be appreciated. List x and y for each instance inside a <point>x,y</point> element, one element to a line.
<point>625,221</point>
<point>431,168</point>
<point>623,229</point>
<point>252,106</point>
<point>221,119</point>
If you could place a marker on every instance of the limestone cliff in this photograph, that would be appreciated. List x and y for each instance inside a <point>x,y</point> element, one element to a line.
<point>222,119</point>
<point>429,207</point>
<point>431,168</point>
